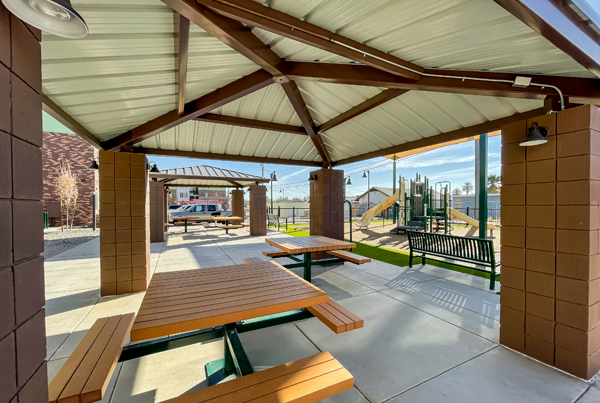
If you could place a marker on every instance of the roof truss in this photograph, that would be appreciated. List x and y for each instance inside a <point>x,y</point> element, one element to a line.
<point>184,49</point>
<point>63,117</point>
<point>251,123</point>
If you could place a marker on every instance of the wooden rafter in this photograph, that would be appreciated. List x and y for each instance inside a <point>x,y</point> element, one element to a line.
<point>223,157</point>
<point>368,76</point>
<point>474,130</point>
<point>251,123</point>
<point>549,19</point>
<point>293,93</point>
<point>63,117</point>
<point>258,15</point>
<point>230,32</point>
<point>228,93</point>
<point>184,47</point>
<point>361,108</point>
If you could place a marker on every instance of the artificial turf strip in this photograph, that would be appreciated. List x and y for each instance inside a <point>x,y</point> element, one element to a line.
<point>396,257</point>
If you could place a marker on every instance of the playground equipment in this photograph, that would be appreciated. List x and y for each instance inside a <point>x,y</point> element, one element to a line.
<point>470,221</point>
<point>368,216</point>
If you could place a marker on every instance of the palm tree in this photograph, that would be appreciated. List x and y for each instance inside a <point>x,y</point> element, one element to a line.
<point>467,187</point>
<point>456,191</point>
<point>494,183</point>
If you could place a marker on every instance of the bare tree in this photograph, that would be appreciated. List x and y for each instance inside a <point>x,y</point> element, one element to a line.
<point>66,188</point>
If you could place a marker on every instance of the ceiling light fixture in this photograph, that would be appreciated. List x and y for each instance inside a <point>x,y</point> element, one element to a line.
<point>56,17</point>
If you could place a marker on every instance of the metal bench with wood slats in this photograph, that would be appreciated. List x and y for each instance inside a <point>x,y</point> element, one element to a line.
<point>349,256</point>
<point>336,317</point>
<point>468,250</point>
<point>85,375</point>
<point>309,379</point>
<point>228,227</point>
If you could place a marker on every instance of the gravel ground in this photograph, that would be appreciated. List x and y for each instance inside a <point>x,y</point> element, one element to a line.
<point>57,241</point>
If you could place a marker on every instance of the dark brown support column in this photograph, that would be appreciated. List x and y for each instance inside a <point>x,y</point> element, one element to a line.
<point>22,326</point>
<point>124,223</point>
<point>237,203</point>
<point>327,204</point>
<point>157,211</point>
<point>258,210</point>
<point>550,297</point>
<point>166,209</point>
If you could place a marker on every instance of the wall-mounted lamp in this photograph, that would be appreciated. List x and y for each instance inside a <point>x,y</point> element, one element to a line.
<point>536,135</point>
<point>93,165</point>
<point>349,182</point>
<point>56,17</point>
<point>273,177</point>
<point>312,177</point>
<point>152,167</point>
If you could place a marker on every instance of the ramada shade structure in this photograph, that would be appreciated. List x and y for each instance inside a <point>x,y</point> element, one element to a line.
<point>319,83</point>
<point>206,176</point>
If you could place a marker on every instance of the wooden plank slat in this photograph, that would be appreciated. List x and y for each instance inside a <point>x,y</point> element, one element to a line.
<point>98,382</point>
<point>245,382</point>
<point>340,315</point>
<point>63,376</point>
<point>230,226</point>
<point>84,370</point>
<point>253,260</point>
<point>353,257</point>
<point>275,254</point>
<point>331,321</point>
<point>358,321</point>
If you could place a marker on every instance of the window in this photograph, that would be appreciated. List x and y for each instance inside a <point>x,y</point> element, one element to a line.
<point>212,207</point>
<point>199,209</point>
<point>205,194</point>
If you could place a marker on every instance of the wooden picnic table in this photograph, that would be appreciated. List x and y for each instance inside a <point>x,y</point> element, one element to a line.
<point>307,245</point>
<point>199,300</point>
<point>183,301</point>
<point>227,220</point>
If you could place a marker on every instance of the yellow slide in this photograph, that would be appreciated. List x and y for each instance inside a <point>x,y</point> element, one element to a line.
<point>468,220</point>
<point>366,218</point>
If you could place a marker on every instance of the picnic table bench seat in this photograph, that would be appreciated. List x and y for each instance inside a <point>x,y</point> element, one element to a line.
<point>85,375</point>
<point>275,254</point>
<point>228,227</point>
<point>351,257</point>
<point>258,259</point>
<point>206,225</point>
<point>336,317</point>
<point>309,379</point>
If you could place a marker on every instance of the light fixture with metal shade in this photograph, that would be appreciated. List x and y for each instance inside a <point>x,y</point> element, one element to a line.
<point>56,17</point>
<point>312,177</point>
<point>94,165</point>
<point>536,135</point>
<point>349,182</point>
<point>153,167</point>
<point>364,175</point>
<point>273,177</point>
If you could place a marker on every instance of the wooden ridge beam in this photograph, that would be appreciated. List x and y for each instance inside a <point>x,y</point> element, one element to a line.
<point>224,157</point>
<point>258,15</point>
<point>63,117</point>
<point>474,130</point>
<point>230,32</point>
<point>368,76</point>
<point>293,93</point>
<point>361,108</point>
<point>184,49</point>
<point>251,123</point>
<point>550,19</point>
<point>224,95</point>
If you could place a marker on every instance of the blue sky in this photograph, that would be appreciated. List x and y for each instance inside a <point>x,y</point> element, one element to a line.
<point>453,163</point>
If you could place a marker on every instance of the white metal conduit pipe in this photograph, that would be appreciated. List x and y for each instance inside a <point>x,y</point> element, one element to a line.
<point>495,80</point>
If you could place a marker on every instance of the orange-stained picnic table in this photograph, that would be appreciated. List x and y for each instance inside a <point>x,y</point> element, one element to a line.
<point>306,245</point>
<point>184,301</point>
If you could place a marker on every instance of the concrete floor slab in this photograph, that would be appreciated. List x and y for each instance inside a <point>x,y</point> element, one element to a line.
<point>498,376</point>
<point>374,282</point>
<point>591,396</point>
<point>339,287</point>
<point>398,348</point>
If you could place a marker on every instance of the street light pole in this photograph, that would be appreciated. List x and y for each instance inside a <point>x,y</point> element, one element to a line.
<point>273,179</point>
<point>282,191</point>
<point>367,174</point>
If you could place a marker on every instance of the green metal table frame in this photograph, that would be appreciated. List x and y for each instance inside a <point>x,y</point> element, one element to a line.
<point>234,361</point>
<point>307,263</point>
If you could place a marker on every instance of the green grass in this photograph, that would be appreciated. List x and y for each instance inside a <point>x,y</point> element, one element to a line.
<point>396,257</point>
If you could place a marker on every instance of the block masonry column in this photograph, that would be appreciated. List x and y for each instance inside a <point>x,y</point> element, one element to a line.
<point>258,210</point>
<point>124,223</point>
<point>550,296</point>
<point>165,209</point>
<point>157,211</point>
<point>22,324</point>
<point>237,203</point>
<point>327,204</point>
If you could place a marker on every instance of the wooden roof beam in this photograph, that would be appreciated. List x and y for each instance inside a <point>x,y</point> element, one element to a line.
<point>293,93</point>
<point>63,117</point>
<point>465,132</point>
<point>230,32</point>
<point>258,15</point>
<point>368,76</point>
<point>550,19</point>
<point>224,95</point>
<point>224,157</point>
<point>361,108</point>
<point>251,123</point>
<point>184,49</point>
